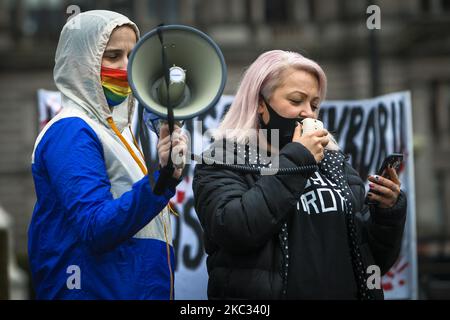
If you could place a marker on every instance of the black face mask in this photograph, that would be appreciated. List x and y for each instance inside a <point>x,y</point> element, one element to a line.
<point>286,126</point>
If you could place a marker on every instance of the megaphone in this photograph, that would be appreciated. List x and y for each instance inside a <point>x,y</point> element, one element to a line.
<point>197,71</point>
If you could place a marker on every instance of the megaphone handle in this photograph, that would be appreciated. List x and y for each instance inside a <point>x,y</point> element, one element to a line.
<point>165,174</point>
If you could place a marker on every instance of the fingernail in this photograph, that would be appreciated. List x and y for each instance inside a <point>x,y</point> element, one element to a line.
<point>376,177</point>
<point>371,185</point>
<point>297,123</point>
<point>369,195</point>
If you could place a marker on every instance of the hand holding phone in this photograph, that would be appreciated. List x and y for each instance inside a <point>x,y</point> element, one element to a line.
<point>394,161</point>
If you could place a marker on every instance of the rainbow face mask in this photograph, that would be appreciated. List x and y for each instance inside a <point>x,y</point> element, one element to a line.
<point>115,85</point>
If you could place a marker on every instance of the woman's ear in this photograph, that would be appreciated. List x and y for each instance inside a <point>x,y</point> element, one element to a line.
<point>263,112</point>
<point>261,106</point>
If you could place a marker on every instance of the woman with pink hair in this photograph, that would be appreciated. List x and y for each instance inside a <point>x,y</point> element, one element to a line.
<point>307,235</point>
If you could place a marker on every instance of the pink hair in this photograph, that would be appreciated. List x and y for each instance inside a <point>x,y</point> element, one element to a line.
<point>263,77</point>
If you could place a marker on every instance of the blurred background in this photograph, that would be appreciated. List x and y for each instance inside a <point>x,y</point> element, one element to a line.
<point>411,51</point>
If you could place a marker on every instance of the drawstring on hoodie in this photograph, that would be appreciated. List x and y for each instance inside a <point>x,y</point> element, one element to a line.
<point>117,132</point>
<point>145,172</point>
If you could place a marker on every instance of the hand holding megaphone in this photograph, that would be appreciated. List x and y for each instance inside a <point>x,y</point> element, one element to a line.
<point>178,142</point>
<point>311,134</point>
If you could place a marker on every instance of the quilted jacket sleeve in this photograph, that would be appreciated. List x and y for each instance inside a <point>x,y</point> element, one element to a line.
<point>383,228</point>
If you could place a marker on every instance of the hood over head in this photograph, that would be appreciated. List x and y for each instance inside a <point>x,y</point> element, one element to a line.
<point>78,61</point>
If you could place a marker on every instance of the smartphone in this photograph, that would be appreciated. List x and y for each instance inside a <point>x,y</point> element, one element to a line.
<point>393,160</point>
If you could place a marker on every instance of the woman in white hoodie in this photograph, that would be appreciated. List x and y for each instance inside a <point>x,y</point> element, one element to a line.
<point>98,231</point>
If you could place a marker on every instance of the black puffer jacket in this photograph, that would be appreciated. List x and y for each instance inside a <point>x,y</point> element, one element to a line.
<point>242,216</point>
